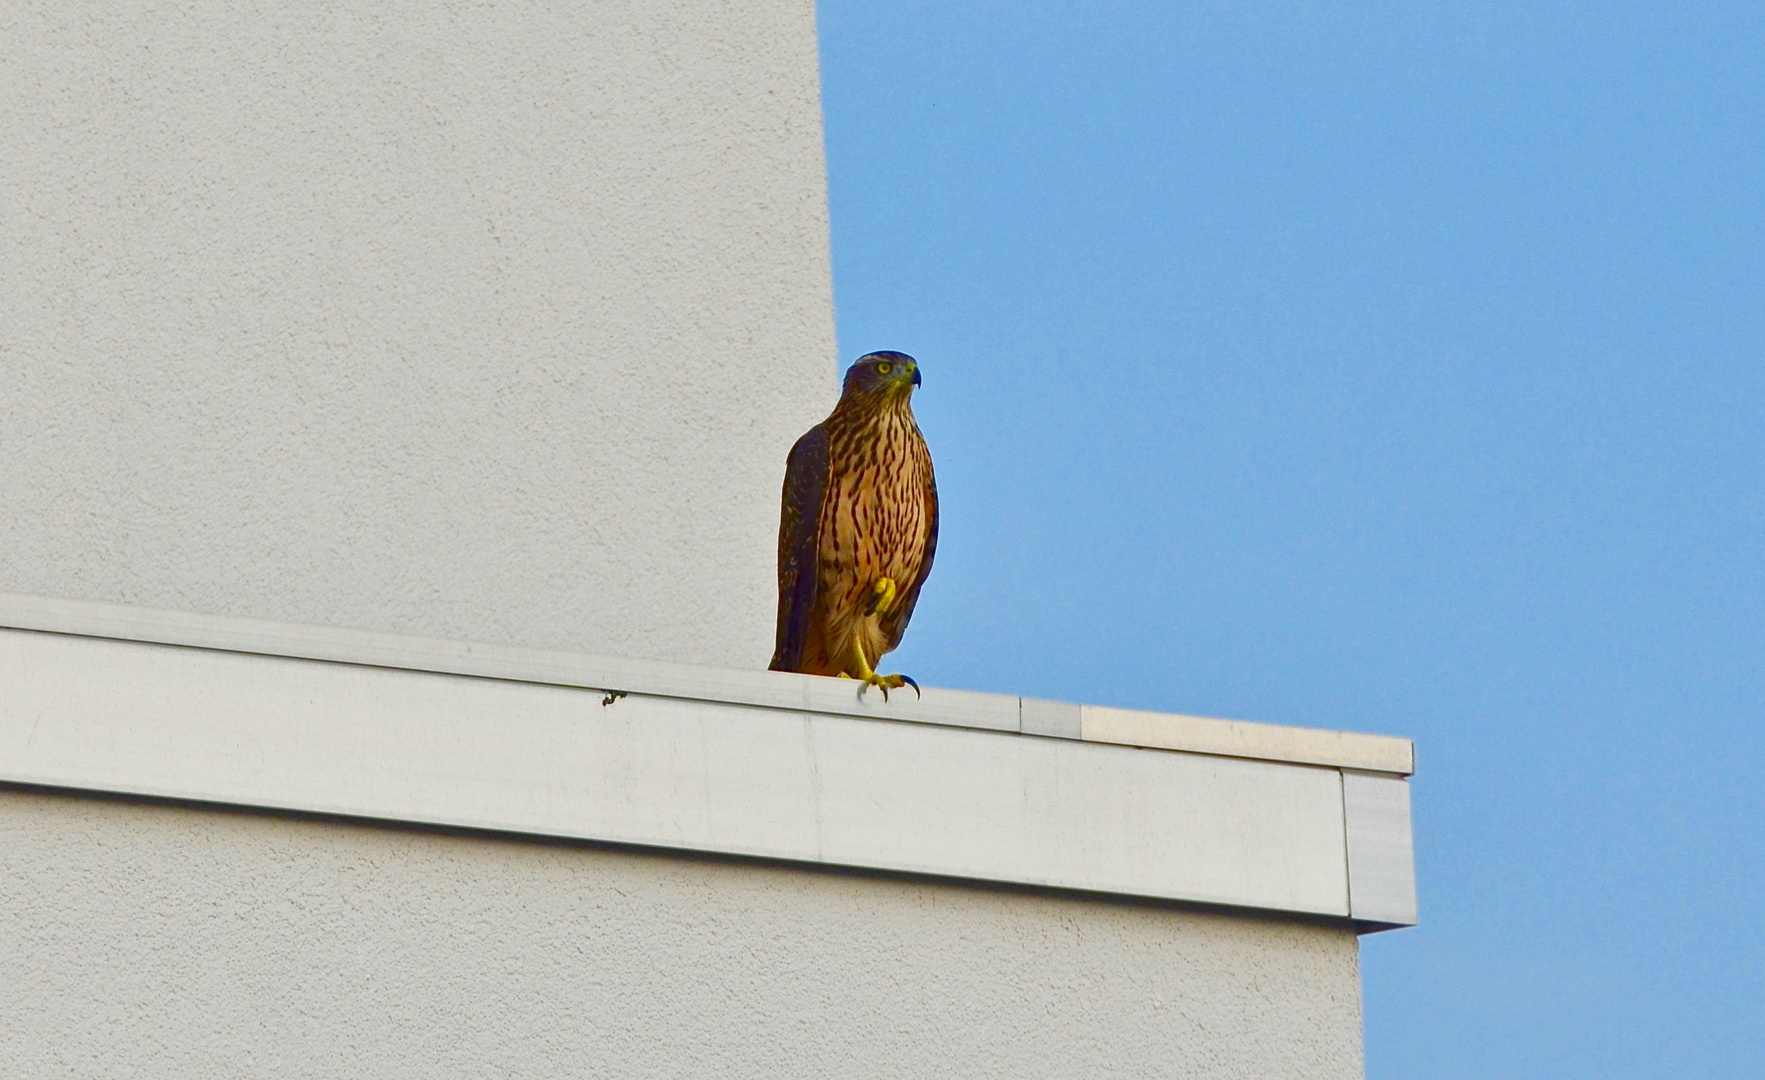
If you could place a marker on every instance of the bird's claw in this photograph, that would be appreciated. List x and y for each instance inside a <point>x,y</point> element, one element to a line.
<point>885,683</point>
<point>882,597</point>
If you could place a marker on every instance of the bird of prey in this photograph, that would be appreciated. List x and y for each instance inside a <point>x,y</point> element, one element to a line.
<point>858,529</point>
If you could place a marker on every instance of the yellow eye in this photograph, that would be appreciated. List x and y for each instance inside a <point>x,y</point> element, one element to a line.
<point>884,368</point>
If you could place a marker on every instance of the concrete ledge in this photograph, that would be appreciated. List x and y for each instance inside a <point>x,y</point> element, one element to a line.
<point>108,698</point>
<point>767,689</point>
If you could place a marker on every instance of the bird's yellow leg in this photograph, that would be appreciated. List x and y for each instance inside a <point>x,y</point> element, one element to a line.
<point>866,674</point>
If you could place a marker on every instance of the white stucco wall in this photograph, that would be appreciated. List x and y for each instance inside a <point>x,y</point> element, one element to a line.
<point>159,941</point>
<point>490,320</point>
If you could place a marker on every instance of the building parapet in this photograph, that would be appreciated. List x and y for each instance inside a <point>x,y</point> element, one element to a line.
<point>985,787</point>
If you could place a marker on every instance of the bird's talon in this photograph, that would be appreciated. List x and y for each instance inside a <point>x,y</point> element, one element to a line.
<point>882,596</point>
<point>885,683</point>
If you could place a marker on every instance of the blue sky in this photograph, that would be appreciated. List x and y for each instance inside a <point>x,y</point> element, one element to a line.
<point>1390,368</point>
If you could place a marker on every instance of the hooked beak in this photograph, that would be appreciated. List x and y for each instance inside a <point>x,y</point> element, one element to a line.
<point>915,374</point>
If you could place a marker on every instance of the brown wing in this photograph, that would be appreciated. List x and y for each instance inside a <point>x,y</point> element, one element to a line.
<point>897,625</point>
<point>805,486</point>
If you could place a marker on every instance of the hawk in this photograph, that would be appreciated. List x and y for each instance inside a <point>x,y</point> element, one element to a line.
<point>858,529</point>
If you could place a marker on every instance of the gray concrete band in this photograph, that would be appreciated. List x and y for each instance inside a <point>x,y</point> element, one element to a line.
<point>713,773</point>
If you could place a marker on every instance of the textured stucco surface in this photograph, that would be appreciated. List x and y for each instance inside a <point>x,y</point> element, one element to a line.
<point>489,320</point>
<point>160,941</point>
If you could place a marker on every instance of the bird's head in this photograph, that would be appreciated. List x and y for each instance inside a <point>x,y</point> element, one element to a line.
<point>887,375</point>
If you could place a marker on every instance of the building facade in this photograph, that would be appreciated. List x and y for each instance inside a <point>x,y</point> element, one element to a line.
<point>395,406</point>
